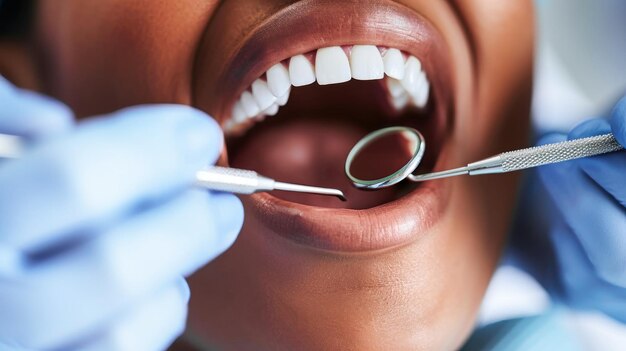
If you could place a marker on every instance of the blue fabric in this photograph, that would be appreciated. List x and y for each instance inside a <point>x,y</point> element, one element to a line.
<point>546,332</point>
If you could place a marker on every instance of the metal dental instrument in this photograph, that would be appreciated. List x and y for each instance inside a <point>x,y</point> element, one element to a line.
<point>502,163</point>
<point>240,181</point>
<point>223,179</point>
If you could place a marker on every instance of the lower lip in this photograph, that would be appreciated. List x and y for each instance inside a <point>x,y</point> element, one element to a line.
<point>390,225</point>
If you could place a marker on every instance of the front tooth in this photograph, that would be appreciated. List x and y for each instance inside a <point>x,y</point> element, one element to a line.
<point>332,66</point>
<point>278,79</point>
<point>282,101</point>
<point>412,73</point>
<point>239,114</point>
<point>301,71</point>
<point>366,63</point>
<point>272,110</point>
<point>262,94</point>
<point>250,107</point>
<point>394,64</point>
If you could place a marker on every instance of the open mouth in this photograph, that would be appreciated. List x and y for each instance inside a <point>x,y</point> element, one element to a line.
<point>300,92</point>
<point>339,94</point>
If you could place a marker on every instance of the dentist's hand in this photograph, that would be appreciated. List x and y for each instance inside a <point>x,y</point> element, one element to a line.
<point>588,227</point>
<point>99,224</point>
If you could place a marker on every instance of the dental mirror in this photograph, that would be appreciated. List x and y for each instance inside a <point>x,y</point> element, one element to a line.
<point>385,157</point>
<point>388,156</point>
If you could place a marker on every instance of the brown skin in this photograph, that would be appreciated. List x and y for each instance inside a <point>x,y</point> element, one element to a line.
<point>267,292</point>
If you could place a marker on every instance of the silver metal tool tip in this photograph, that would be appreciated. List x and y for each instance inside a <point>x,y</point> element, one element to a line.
<point>310,190</point>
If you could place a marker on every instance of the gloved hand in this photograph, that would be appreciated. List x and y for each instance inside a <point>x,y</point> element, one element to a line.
<point>99,224</point>
<point>587,223</point>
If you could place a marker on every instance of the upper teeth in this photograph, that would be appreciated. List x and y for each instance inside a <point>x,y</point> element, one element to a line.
<point>407,83</point>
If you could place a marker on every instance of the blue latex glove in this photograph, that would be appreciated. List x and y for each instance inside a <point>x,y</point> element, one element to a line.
<point>99,224</point>
<point>586,224</point>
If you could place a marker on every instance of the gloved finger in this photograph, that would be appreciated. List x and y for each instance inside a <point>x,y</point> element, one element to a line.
<point>551,138</point>
<point>608,171</point>
<point>11,261</point>
<point>31,115</point>
<point>74,294</point>
<point>592,215</point>
<point>154,325</point>
<point>618,121</point>
<point>590,128</point>
<point>580,286</point>
<point>103,171</point>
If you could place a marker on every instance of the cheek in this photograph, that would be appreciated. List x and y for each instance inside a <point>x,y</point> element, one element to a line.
<point>504,65</point>
<point>110,54</point>
<point>499,120</point>
<point>493,117</point>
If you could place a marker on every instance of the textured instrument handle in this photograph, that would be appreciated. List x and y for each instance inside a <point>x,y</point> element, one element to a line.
<point>559,152</point>
<point>232,180</point>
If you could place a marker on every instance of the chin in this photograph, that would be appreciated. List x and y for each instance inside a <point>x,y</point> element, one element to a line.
<point>404,268</point>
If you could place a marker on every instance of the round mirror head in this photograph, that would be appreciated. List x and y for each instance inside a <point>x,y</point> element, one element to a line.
<point>385,157</point>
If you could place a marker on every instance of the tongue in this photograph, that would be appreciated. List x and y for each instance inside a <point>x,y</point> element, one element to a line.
<point>311,152</point>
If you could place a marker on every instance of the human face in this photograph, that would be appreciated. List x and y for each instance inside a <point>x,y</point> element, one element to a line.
<point>390,270</point>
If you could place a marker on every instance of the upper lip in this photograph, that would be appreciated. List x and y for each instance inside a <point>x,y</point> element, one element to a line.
<point>308,25</point>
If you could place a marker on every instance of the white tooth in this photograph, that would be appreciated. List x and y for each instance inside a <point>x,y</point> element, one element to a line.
<point>412,73</point>
<point>366,63</point>
<point>239,115</point>
<point>395,87</point>
<point>262,94</point>
<point>394,64</point>
<point>278,79</point>
<point>250,107</point>
<point>282,101</point>
<point>400,102</point>
<point>272,110</point>
<point>417,86</point>
<point>226,126</point>
<point>332,66</point>
<point>421,98</point>
<point>301,71</point>
<point>229,125</point>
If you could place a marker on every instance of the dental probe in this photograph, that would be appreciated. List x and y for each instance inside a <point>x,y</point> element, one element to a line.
<point>230,180</point>
<point>241,181</point>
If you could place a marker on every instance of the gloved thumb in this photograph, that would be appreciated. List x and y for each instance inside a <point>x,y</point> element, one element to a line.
<point>229,216</point>
<point>28,114</point>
